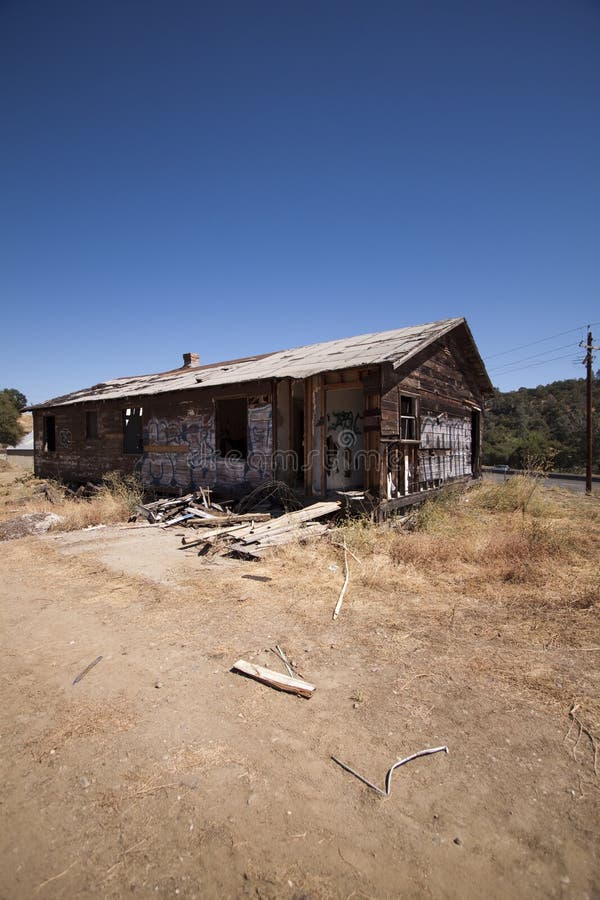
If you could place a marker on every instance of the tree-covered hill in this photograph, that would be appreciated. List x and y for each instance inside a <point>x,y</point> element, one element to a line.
<point>548,421</point>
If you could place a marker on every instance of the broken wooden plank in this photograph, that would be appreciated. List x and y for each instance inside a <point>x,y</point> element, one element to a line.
<point>244,548</point>
<point>300,517</point>
<point>177,520</point>
<point>210,536</point>
<point>253,541</point>
<point>207,521</point>
<point>275,679</point>
<point>203,514</point>
<point>165,504</point>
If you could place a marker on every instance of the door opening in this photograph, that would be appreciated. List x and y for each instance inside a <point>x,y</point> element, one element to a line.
<point>344,439</point>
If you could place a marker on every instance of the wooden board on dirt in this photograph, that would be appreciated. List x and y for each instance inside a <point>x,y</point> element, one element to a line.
<point>275,679</point>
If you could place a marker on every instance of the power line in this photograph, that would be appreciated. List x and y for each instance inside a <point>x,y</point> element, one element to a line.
<point>536,364</point>
<point>533,356</point>
<point>541,340</point>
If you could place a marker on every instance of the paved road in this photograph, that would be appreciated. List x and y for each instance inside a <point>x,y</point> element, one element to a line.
<point>567,483</point>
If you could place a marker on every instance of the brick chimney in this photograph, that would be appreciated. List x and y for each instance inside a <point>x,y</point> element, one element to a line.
<point>191,360</point>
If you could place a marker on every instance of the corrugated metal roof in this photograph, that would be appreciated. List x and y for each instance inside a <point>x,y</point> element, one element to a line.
<point>301,362</point>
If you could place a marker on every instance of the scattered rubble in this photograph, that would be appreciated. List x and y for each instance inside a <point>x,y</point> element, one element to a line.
<point>245,535</point>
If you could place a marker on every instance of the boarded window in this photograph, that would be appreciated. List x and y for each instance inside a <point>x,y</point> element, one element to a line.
<point>232,427</point>
<point>91,425</point>
<point>408,418</point>
<point>49,433</point>
<point>132,430</point>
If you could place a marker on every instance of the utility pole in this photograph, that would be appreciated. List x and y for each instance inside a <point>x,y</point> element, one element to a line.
<point>589,356</point>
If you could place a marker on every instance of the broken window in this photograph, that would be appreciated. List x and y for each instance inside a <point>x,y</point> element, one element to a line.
<point>132,430</point>
<point>408,418</point>
<point>49,433</point>
<point>232,427</point>
<point>91,425</point>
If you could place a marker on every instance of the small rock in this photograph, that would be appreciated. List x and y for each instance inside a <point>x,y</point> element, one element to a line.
<point>158,684</point>
<point>458,841</point>
<point>84,782</point>
<point>355,705</point>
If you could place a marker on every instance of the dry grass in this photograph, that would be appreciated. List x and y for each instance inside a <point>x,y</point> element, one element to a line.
<point>114,503</point>
<point>504,577</point>
<point>497,531</point>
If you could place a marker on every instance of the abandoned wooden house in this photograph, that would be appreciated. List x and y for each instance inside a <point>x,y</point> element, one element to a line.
<point>396,413</point>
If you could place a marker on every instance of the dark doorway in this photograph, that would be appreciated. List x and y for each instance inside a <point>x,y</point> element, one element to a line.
<point>132,430</point>
<point>232,427</point>
<point>49,433</point>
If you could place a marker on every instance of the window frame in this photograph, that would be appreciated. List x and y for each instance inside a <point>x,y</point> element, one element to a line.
<point>409,419</point>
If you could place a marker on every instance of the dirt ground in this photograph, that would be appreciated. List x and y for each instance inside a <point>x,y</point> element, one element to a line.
<point>164,774</point>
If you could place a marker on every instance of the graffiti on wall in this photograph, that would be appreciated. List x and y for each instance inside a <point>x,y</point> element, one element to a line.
<point>188,460</point>
<point>180,453</point>
<point>343,442</point>
<point>445,447</point>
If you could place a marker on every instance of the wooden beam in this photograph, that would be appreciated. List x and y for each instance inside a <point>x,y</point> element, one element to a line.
<point>275,679</point>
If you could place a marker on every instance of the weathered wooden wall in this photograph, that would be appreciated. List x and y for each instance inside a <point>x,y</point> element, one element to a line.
<point>352,432</point>
<point>446,399</point>
<point>76,458</point>
<point>179,441</point>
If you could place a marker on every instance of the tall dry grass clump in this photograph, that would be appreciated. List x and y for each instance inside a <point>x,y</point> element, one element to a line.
<point>519,493</point>
<point>509,532</point>
<point>115,502</point>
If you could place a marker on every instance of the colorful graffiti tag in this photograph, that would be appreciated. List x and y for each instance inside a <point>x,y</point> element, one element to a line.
<point>190,459</point>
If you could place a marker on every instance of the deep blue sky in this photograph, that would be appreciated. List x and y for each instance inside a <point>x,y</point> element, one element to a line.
<point>232,178</point>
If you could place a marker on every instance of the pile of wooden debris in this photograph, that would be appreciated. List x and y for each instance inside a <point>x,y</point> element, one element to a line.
<point>246,535</point>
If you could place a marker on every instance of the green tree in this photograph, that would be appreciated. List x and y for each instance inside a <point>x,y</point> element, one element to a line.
<point>12,402</point>
<point>16,397</point>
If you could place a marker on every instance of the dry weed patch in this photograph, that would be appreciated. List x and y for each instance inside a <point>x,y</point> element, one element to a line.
<point>115,501</point>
